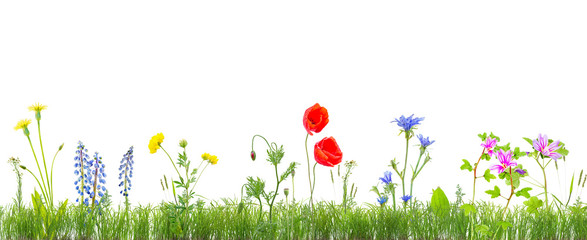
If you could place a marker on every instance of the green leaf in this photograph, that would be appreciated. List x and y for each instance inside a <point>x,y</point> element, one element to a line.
<point>468,209</point>
<point>439,203</point>
<point>488,176</point>
<point>483,229</point>
<point>533,204</point>
<point>494,193</point>
<point>482,136</point>
<point>529,141</point>
<point>466,165</point>
<point>523,192</point>
<point>494,137</point>
<point>563,151</point>
<point>504,225</point>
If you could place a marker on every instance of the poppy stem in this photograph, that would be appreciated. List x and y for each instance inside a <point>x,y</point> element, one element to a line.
<point>309,176</point>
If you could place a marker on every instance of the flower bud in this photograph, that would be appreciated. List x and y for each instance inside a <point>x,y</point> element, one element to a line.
<point>253,155</point>
<point>286,191</point>
<point>183,143</point>
<point>61,147</point>
<point>23,167</point>
<point>293,173</point>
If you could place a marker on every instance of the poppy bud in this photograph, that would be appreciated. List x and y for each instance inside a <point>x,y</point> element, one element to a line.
<point>286,191</point>
<point>253,155</point>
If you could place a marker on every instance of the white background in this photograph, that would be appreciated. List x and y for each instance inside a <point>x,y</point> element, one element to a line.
<point>115,73</point>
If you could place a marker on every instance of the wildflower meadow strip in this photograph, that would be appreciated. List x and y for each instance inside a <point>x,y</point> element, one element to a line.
<point>187,215</point>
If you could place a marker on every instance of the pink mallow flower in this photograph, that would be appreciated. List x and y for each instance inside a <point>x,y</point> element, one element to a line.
<point>489,144</point>
<point>541,145</point>
<point>505,160</point>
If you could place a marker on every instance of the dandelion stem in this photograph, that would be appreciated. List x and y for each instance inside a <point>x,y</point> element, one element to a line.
<point>44,186</point>
<point>45,164</point>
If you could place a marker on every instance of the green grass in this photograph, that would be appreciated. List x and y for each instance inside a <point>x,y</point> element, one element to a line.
<point>225,220</point>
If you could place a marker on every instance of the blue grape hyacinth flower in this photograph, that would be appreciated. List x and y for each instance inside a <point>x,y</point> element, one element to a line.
<point>97,180</point>
<point>126,169</point>
<point>82,168</point>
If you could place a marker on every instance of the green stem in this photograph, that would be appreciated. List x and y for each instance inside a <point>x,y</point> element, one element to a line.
<point>416,171</point>
<point>475,175</point>
<point>543,174</point>
<point>42,191</point>
<point>200,175</point>
<point>44,186</point>
<point>309,176</point>
<point>511,194</point>
<point>178,174</point>
<point>45,164</point>
<point>405,164</point>
<point>275,195</point>
<point>52,163</point>
<point>314,180</point>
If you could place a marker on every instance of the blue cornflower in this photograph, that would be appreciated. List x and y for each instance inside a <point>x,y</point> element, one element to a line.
<point>425,142</point>
<point>82,168</point>
<point>408,123</point>
<point>406,198</point>
<point>386,177</point>
<point>126,172</point>
<point>97,180</point>
<point>382,200</point>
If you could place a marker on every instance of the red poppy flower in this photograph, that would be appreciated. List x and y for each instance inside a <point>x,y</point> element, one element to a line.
<point>327,152</point>
<point>315,119</point>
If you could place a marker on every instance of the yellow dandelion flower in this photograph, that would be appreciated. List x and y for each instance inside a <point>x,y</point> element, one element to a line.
<point>37,107</point>
<point>22,124</point>
<point>155,142</point>
<point>213,159</point>
<point>206,156</point>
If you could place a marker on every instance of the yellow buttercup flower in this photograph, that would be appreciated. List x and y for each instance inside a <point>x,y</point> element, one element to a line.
<point>155,142</point>
<point>206,156</point>
<point>24,125</point>
<point>213,159</point>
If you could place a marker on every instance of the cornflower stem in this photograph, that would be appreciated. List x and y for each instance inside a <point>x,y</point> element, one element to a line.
<point>170,160</point>
<point>309,176</point>
<point>475,175</point>
<point>405,164</point>
<point>44,186</point>
<point>416,171</point>
<point>511,194</point>
<point>50,192</point>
